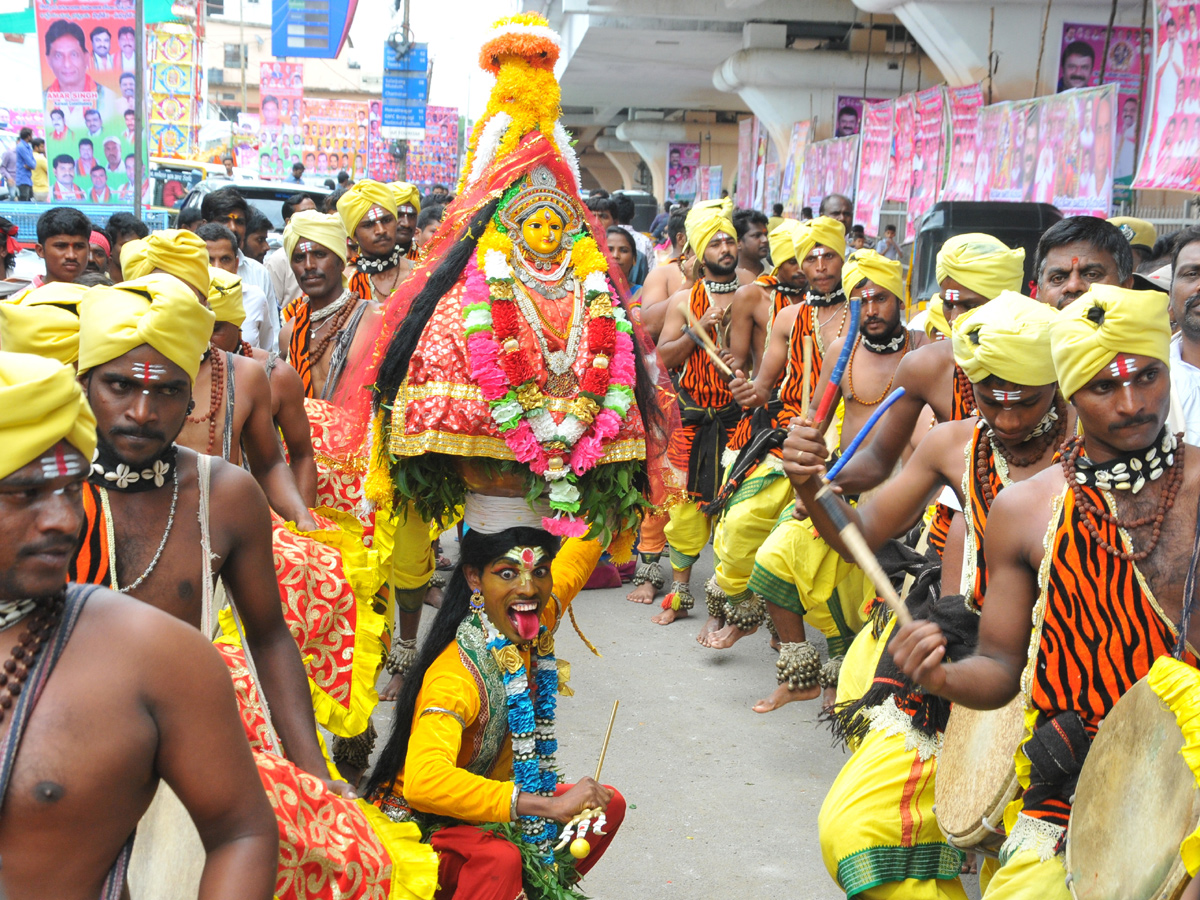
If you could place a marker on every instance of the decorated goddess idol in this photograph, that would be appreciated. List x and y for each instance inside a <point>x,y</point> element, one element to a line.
<point>509,382</point>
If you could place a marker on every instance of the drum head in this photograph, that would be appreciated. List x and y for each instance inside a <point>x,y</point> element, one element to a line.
<point>975,775</point>
<point>1135,803</point>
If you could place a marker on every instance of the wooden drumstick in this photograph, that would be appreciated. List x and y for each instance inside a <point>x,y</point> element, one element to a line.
<point>804,390</point>
<point>607,735</point>
<point>701,335</point>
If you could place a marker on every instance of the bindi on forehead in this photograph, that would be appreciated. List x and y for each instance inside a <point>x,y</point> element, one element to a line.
<point>147,373</point>
<point>528,558</point>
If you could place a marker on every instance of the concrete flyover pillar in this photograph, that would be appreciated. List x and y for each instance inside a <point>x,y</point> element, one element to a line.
<point>650,137</point>
<point>623,158</point>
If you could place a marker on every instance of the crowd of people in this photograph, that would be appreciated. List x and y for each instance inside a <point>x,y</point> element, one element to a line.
<point>216,453</point>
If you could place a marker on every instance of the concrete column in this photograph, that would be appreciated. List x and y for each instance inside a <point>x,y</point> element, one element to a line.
<point>623,158</point>
<point>650,138</point>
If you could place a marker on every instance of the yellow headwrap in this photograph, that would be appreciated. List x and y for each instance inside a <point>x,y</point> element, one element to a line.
<point>935,321</point>
<point>706,219</point>
<point>155,310</point>
<point>884,272</point>
<point>405,194</point>
<point>1008,337</point>
<point>45,321</point>
<point>225,297</point>
<point>782,240</point>
<point>1138,232</point>
<point>981,263</point>
<point>353,204</point>
<point>41,403</point>
<point>1105,321</point>
<point>824,231</point>
<point>180,253</point>
<point>325,229</point>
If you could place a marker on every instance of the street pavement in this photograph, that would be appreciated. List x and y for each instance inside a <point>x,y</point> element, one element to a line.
<point>723,801</point>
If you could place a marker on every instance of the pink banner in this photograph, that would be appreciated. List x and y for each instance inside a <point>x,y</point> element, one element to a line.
<point>792,189</point>
<point>929,156</point>
<point>435,159</point>
<point>878,119</point>
<point>961,182</point>
<point>1169,158</point>
<point>830,167</point>
<point>745,181</point>
<point>848,114</point>
<point>899,184</point>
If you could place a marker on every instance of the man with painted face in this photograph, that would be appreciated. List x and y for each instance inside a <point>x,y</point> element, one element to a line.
<point>163,523</point>
<point>1004,347</point>
<point>463,752</point>
<point>407,198</point>
<point>1075,253</point>
<point>1095,552</point>
<point>368,212</point>
<point>149,693</point>
<point>706,405</point>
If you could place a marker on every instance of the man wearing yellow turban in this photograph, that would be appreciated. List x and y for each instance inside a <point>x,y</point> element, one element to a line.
<point>180,253</point>
<point>1087,545</point>
<point>44,321</point>
<point>166,673</point>
<point>1005,348</point>
<point>368,212</point>
<point>408,207</point>
<point>973,269</point>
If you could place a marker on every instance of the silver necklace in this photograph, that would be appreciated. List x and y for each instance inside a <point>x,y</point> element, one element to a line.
<point>320,315</point>
<point>559,362</point>
<point>13,611</point>
<point>112,543</point>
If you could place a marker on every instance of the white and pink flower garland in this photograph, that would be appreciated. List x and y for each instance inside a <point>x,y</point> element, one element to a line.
<point>557,452</point>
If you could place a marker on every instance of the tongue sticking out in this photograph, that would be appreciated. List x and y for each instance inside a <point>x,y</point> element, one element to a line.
<point>526,623</point>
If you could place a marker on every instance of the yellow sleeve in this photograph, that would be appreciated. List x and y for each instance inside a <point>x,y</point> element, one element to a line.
<point>433,781</point>
<point>572,567</point>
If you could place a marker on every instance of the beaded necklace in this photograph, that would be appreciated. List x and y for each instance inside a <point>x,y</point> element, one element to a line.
<point>1056,417</point>
<point>1078,476</point>
<point>336,323</point>
<point>531,724</point>
<point>216,394</point>
<point>902,347</point>
<point>25,652</point>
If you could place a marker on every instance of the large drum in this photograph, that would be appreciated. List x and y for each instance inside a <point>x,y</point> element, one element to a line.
<point>976,777</point>
<point>1135,803</point>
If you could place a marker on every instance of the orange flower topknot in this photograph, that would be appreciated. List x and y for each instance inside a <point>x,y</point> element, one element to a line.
<point>539,50</point>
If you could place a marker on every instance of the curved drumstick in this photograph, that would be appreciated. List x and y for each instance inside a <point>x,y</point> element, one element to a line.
<point>701,337</point>
<point>839,367</point>
<point>862,433</point>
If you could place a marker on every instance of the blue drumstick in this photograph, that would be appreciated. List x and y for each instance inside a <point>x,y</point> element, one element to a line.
<point>858,438</point>
<point>839,367</point>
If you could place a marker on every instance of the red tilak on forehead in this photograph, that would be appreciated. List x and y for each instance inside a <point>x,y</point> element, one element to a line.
<point>59,464</point>
<point>1074,261</point>
<point>950,296</point>
<point>60,459</point>
<point>377,212</point>
<point>1006,396</point>
<point>306,246</point>
<point>1123,367</point>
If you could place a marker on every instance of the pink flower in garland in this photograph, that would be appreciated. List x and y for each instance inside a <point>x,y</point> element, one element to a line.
<point>587,452</point>
<point>565,526</point>
<point>525,447</point>
<point>620,368</point>
<point>607,424</point>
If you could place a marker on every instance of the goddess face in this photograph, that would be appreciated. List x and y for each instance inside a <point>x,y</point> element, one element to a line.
<point>543,231</point>
<point>516,588</point>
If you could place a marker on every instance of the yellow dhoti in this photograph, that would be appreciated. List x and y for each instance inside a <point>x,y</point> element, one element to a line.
<point>796,570</point>
<point>1025,874</point>
<point>878,834</point>
<point>687,532</point>
<point>743,528</point>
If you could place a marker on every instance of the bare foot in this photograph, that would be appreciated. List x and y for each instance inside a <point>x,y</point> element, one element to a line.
<point>828,698</point>
<point>726,637</point>
<point>642,593</point>
<point>711,625</point>
<point>970,865</point>
<point>433,597</point>
<point>775,643</point>
<point>782,696</point>
<point>391,691</point>
<point>668,615</point>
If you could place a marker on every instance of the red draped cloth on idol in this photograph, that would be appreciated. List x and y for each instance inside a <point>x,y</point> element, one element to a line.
<point>473,417</point>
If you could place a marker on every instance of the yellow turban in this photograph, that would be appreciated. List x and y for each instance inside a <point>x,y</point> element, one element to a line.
<point>353,204</point>
<point>180,253</point>
<point>935,320</point>
<point>1105,321</point>
<point>705,220</point>
<point>404,194</point>
<point>884,272</point>
<point>1138,232</point>
<point>225,297</point>
<point>325,229</point>
<point>1008,337</point>
<point>824,231</point>
<point>981,263</point>
<point>45,321</point>
<point>155,310</point>
<point>41,403</point>
<point>782,241</point>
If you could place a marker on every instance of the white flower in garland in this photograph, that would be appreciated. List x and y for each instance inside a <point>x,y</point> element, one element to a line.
<point>495,265</point>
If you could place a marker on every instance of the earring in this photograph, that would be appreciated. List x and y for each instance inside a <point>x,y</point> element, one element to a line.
<point>477,600</point>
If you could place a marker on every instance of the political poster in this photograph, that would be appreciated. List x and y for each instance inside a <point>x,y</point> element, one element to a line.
<point>831,166</point>
<point>13,118</point>
<point>899,181</point>
<point>762,144</point>
<point>964,104</point>
<point>174,117</point>
<point>792,186</point>
<point>435,159</point>
<point>744,195</point>
<point>87,52</point>
<point>874,151</point>
<point>682,162</point>
<point>929,155</point>
<point>1082,64</point>
<point>280,109</point>
<point>1169,158</point>
<point>334,137</point>
<point>848,114</point>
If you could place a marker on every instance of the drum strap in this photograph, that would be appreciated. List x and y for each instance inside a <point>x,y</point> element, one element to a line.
<point>1189,594</point>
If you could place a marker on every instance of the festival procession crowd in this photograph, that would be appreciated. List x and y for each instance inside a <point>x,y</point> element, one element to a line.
<point>222,485</point>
